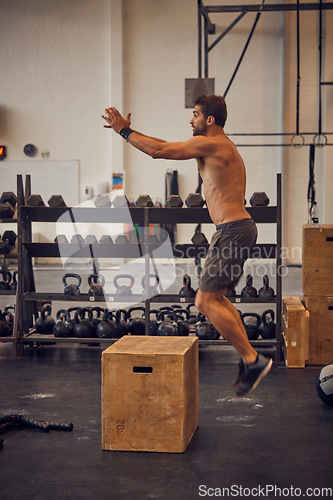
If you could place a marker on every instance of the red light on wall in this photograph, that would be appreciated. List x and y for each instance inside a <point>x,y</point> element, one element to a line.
<point>2,152</point>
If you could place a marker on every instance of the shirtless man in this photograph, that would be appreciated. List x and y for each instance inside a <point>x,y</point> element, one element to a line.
<point>223,174</point>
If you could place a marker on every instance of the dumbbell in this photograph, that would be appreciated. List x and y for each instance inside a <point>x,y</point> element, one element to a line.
<point>174,201</point>
<point>56,200</point>
<point>102,201</point>
<point>96,283</point>
<point>123,290</point>
<point>72,288</point>
<point>7,243</point>
<point>120,201</point>
<point>194,200</point>
<point>259,200</point>
<point>266,290</point>
<point>9,197</point>
<point>6,211</point>
<point>13,285</point>
<point>144,200</point>
<point>249,290</point>
<point>35,200</point>
<point>106,240</point>
<point>5,325</point>
<point>251,325</point>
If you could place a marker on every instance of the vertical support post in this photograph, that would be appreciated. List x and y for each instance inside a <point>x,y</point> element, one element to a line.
<point>206,47</point>
<point>18,324</point>
<point>199,40</point>
<point>147,268</point>
<point>278,269</point>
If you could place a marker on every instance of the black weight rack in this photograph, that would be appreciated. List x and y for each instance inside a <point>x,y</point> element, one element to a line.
<point>29,301</point>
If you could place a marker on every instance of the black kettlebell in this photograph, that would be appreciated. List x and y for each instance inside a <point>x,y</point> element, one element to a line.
<point>123,290</point>
<point>251,325</point>
<point>204,329</point>
<point>10,316</point>
<point>152,289</point>
<point>268,327</point>
<point>63,327</point>
<point>45,323</point>
<point>167,326</point>
<point>84,327</point>
<point>187,290</point>
<point>96,283</point>
<point>97,318</point>
<point>72,310</point>
<point>230,292</point>
<point>7,278</point>
<point>5,328</point>
<point>193,316</point>
<point>182,317</point>
<point>266,290</point>
<point>153,323</point>
<point>107,328</point>
<point>136,324</point>
<point>13,285</point>
<point>249,290</point>
<point>71,288</point>
<point>121,322</point>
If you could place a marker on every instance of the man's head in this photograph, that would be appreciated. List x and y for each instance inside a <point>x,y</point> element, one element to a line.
<point>208,110</point>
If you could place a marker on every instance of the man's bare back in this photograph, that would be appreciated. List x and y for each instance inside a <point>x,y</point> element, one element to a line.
<point>224,178</point>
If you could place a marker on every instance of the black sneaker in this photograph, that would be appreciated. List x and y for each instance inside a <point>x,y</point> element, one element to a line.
<point>239,378</point>
<point>253,374</point>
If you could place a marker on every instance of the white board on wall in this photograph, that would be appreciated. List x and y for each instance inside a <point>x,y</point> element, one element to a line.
<point>48,177</point>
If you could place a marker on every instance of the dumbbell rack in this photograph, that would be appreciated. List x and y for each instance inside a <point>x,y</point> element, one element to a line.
<point>146,216</point>
<point>11,256</point>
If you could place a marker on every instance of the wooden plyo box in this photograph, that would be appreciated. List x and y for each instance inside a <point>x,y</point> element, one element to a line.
<point>295,331</point>
<point>317,260</point>
<point>320,329</point>
<point>150,393</point>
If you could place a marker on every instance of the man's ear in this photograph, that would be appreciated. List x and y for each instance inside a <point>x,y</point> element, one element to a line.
<point>210,120</point>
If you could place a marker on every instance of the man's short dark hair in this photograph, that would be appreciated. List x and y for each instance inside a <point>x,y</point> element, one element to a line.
<point>213,105</point>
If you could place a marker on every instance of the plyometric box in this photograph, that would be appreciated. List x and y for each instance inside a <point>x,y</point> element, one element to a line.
<point>317,260</point>
<point>150,393</point>
<point>320,329</point>
<point>295,331</point>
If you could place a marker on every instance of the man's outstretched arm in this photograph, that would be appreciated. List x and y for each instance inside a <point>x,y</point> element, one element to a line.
<point>157,148</point>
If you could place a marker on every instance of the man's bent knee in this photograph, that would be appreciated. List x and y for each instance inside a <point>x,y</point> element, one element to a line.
<point>204,300</point>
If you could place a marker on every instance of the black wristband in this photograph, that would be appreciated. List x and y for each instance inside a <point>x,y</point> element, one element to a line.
<point>126,132</point>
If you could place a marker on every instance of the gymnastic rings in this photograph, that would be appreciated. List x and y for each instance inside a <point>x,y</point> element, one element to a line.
<point>297,141</point>
<point>317,140</point>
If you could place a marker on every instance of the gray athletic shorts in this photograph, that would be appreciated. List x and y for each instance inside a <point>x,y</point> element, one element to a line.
<point>229,248</point>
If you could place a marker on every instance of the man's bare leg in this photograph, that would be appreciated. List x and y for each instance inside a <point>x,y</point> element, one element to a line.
<point>227,321</point>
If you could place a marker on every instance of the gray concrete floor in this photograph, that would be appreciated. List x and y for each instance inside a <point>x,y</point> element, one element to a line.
<point>280,436</point>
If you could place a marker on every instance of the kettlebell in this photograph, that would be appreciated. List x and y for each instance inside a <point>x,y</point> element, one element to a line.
<point>13,285</point>
<point>7,278</point>
<point>96,283</point>
<point>123,290</point>
<point>182,317</point>
<point>268,327</point>
<point>63,327</point>
<point>98,316</point>
<point>251,325</point>
<point>10,316</point>
<point>230,292</point>
<point>83,327</point>
<point>187,290</point>
<point>204,329</point>
<point>70,310</point>
<point>153,323</point>
<point>152,289</point>
<point>249,290</point>
<point>72,288</point>
<point>107,328</point>
<point>193,316</point>
<point>167,326</point>
<point>5,328</point>
<point>121,322</point>
<point>136,324</point>
<point>266,290</point>
<point>45,323</point>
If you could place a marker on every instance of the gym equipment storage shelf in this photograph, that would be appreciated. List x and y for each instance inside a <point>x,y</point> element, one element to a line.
<point>144,216</point>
